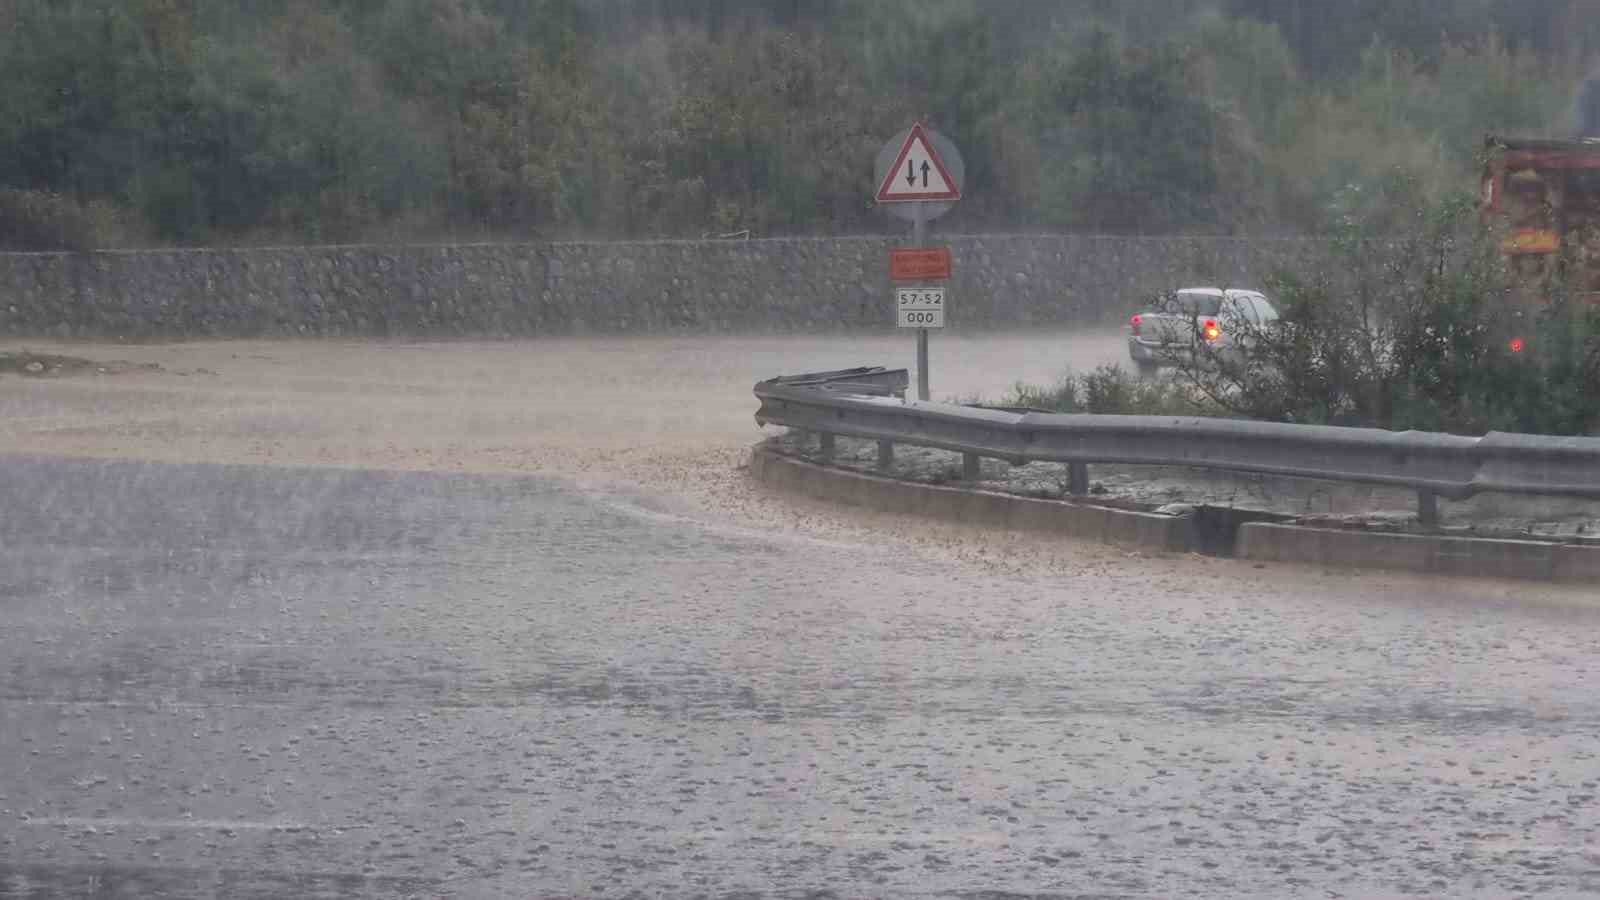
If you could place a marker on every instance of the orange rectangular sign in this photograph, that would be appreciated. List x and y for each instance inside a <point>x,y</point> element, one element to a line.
<point>919,264</point>
<point>1531,240</point>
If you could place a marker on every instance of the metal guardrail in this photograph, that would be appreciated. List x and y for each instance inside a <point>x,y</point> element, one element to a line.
<point>1435,465</point>
<point>871,380</point>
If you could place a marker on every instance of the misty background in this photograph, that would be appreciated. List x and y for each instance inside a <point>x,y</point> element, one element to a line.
<point>179,122</point>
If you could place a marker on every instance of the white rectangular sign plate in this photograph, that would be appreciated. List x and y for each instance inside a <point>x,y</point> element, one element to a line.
<point>919,307</point>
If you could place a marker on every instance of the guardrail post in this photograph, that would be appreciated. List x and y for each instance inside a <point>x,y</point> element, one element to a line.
<point>1428,508</point>
<point>825,446</point>
<point>1077,478</point>
<point>969,466</point>
<point>885,455</point>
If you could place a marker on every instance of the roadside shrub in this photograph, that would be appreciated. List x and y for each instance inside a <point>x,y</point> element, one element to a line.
<point>38,220</point>
<point>1411,332</point>
<point>1110,390</point>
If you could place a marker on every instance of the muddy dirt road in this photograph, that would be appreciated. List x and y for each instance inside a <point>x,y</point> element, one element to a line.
<point>288,619</point>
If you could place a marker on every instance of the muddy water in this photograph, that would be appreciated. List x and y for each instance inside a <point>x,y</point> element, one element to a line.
<point>643,676</point>
<point>267,682</point>
<point>672,415</point>
<point>575,405</point>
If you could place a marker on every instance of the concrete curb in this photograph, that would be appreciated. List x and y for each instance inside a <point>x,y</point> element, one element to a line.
<point>1259,541</point>
<point>1486,557</point>
<point>1149,531</point>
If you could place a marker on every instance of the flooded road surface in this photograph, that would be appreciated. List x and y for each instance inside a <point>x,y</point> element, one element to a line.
<point>234,661</point>
<point>564,406</point>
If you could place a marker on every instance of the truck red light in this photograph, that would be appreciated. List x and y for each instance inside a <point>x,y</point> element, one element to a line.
<point>1136,322</point>
<point>1211,330</point>
<point>1518,345</point>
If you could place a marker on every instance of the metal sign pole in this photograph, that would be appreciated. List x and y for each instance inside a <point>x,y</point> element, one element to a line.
<point>919,174</point>
<point>919,229</point>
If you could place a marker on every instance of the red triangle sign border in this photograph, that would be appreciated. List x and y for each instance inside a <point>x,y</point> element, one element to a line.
<point>917,134</point>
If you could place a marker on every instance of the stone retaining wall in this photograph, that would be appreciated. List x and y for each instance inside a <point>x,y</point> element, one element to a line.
<point>797,284</point>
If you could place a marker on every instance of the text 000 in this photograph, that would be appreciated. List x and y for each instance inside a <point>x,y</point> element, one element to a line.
<point>919,318</point>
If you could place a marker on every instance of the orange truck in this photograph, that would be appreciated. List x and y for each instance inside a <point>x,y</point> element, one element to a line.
<point>1544,194</point>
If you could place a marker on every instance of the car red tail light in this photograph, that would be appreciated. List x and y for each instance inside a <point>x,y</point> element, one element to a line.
<point>1211,330</point>
<point>1136,322</point>
<point>1518,345</point>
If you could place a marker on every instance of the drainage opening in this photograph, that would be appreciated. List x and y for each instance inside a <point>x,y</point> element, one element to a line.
<point>1215,529</point>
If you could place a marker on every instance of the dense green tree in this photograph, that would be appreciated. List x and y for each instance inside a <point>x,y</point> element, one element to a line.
<point>1124,145</point>
<point>325,120</point>
<point>762,134</point>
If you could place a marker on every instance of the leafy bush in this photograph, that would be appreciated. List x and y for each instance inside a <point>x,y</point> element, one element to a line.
<point>1110,390</point>
<point>42,221</point>
<point>221,123</point>
<point>1413,332</point>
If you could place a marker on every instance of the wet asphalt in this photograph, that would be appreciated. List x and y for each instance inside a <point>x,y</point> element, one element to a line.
<point>243,681</point>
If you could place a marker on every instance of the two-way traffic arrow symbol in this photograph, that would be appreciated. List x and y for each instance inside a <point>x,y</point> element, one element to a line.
<point>917,155</point>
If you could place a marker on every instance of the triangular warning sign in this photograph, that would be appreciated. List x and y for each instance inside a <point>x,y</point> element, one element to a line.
<point>917,173</point>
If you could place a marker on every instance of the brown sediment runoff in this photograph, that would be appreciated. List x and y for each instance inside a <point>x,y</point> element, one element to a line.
<point>670,416</point>
<point>648,410</point>
<point>606,406</point>
<point>615,661</point>
<point>666,418</point>
<point>50,365</point>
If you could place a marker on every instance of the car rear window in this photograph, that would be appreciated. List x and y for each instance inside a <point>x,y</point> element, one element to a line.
<point>1194,304</point>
